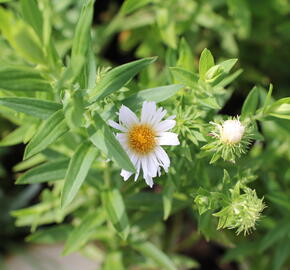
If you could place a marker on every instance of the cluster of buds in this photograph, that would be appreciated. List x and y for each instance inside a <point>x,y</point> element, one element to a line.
<point>242,211</point>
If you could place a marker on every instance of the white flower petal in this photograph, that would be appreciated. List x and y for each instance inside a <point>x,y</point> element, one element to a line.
<point>125,174</point>
<point>158,116</point>
<point>148,112</point>
<point>144,166</point>
<point>168,138</point>
<point>117,126</point>
<point>127,117</point>
<point>138,166</point>
<point>152,165</point>
<point>149,181</point>
<point>162,158</point>
<point>165,125</point>
<point>171,117</point>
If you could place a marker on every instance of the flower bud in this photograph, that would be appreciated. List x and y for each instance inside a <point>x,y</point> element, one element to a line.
<point>232,131</point>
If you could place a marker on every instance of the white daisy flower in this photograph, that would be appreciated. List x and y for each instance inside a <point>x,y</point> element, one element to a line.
<point>142,139</point>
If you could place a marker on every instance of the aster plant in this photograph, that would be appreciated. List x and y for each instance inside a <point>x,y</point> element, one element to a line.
<point>87,125</point>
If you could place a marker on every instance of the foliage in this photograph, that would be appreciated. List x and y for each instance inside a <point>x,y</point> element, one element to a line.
<point>60,92</point>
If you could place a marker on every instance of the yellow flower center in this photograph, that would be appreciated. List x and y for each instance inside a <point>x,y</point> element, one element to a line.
<point>141,139</point>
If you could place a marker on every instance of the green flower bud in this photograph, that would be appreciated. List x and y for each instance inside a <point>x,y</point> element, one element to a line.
<point>242,211</point>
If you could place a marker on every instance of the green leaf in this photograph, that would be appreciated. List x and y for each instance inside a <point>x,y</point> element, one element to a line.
<point>18,78</point>
<point>73,107</point>
<point>48,172</point>
<point>82,36</point>
<point>51,129</point>
<point>77,171</point>
<point>82,233</point>
<point>114,260</point>
<point>157,94</point>
<point>185,59</point>
<point>21,37</point>
<point>210,103</point>
<point>147,249</point>
<point>35,107</point>
<point>52,235</point>
<point>32,15</point>
<point>167,197</point>
<point>15,137</point>
<point>102,137</point>
<point>130,6</point>
<point>116,211</point>
<point>250,104</point>
<point>280,108</point>
<point>206,61</point>
<point>185,77</point>
<point>118,77</point>
<point>268,98</point>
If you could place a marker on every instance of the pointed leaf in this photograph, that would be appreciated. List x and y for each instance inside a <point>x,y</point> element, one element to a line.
<point>147,249</point>
<point>206,61</point>
<point>157,94</point>
<point>118,77</point>
<point>185,77</point>
<point>47,172</point>
<point>81,233</point>
<point>251,103</point>
<point>77,171</point>
<point>116,211</point>
<point>50,130</point>
<point>35,107</point>
<point>102,137</point>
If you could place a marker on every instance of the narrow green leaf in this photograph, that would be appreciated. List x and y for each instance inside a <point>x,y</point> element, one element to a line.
<point>118,77</point>
<point>147,249</point>
<point>18,78</point>
<point>185,77</point>
<point>82,35</point>
<point>130,6</point>
<point>53,235</point>
<point>82,233</point>
<point>35,107</point>
<point>32,15</point>
<point>21,37</point>
<point>268,98</point>
<point>15,137</point>
<point>77,171</point>
<point>157,94</point>
<point>51,129</point>
<point>102,137</point>
<point>73,107</point>
<point>280,108</point>
<point>206,61</point>
<point>48,172</point>
<point>116,211</point>
<point>250,104</point>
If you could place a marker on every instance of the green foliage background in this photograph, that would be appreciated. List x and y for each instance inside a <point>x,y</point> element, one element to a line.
<point>58,91</point>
